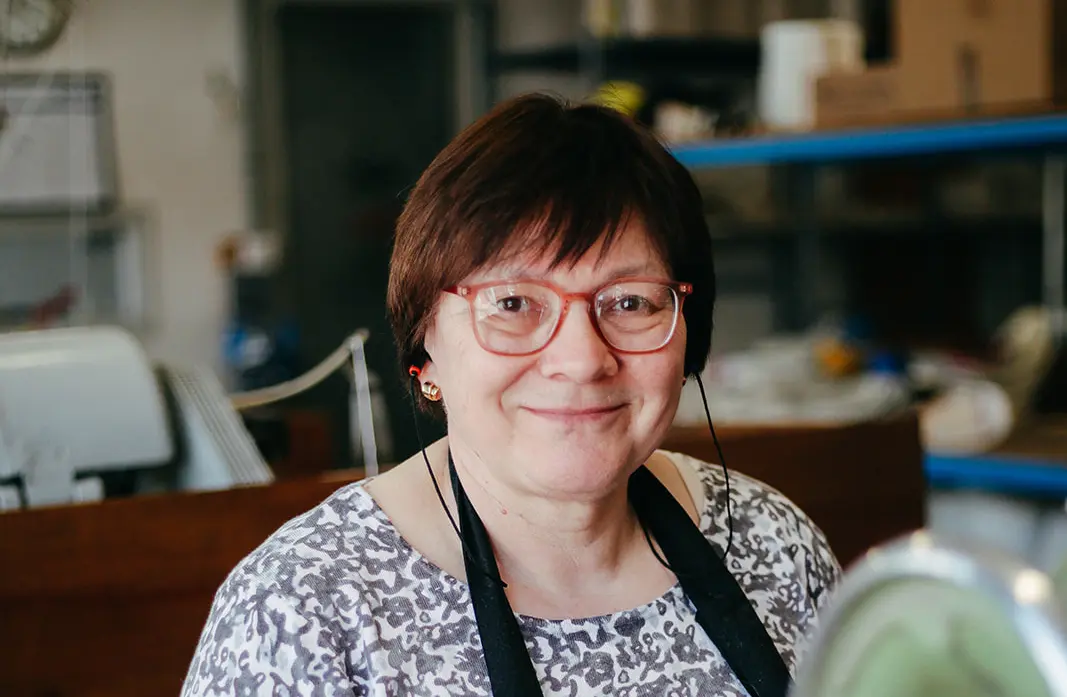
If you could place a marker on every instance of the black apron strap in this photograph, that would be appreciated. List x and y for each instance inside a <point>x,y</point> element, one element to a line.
<point>511,671</point>
<point>723,610</point>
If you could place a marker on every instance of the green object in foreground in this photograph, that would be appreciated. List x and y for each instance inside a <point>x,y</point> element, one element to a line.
<point>1059,582</point>
<point>933,640</point>
<point>923,618</point>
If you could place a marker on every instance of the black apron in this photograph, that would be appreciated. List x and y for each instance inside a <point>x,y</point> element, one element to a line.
<point>722,609</point>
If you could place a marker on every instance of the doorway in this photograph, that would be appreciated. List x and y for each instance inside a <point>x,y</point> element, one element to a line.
<point>368,99</point>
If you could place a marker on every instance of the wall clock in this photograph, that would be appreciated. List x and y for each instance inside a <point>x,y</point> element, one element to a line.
<point>29,27</point>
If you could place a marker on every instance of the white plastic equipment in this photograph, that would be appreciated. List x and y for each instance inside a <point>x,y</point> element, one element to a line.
<point>79,403</point>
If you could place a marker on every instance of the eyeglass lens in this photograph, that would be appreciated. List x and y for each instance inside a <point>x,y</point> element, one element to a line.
<point>522,317</point>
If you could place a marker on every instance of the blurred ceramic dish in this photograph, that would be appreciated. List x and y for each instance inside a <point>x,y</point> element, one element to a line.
<point>921,617</point>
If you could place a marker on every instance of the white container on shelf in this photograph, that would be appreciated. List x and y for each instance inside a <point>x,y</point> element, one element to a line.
<point>794,54</point>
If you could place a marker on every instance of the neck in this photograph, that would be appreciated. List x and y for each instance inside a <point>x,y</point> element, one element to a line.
<point>556,546</point>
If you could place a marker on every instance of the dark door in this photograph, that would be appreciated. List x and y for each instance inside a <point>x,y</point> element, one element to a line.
<point>368,94</point>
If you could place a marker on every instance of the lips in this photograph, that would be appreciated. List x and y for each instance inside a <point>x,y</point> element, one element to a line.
<point>573,413</point>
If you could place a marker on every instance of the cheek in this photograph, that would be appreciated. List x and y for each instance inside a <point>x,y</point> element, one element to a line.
<point>447,342</point>
<point>678,342</point>
<point>658,377</point>
<point>659,382</point>
<point>476,382</point>
<point>496,380</point>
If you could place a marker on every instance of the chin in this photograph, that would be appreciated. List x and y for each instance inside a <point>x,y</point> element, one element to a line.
<point>577,467</point>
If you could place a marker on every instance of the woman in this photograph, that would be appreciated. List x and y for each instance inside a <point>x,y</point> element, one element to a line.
<point>551,287</point>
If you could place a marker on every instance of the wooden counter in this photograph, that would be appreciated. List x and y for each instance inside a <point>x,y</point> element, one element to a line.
<point>861,484</point>
<point>109,599</point>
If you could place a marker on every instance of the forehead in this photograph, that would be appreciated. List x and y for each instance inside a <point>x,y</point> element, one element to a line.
<point>629,253</point>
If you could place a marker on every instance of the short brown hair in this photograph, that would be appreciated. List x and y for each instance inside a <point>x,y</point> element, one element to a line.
<point>538,175</point>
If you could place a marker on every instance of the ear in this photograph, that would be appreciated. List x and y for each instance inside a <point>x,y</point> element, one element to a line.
<point>428,372</point>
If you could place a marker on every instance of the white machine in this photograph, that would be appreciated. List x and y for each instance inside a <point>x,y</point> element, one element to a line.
<point>923,617</point>
<point>82,407</point>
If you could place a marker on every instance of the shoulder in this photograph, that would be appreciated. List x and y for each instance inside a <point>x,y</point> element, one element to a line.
<point>288,611</point>
<point>777,553</point>
<point>756,508</point>
<point>321,538</point>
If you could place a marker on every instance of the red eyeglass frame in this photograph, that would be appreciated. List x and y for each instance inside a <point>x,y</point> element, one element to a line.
<point>469,292</point>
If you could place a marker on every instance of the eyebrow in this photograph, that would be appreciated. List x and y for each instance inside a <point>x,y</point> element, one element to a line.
<point>520,273</point>
<point>633,270</point>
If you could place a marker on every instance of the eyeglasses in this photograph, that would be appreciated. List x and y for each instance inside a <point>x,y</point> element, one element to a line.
<point>631,315</point>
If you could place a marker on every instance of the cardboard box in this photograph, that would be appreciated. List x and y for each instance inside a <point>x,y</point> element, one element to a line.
<point>849,99</point>
<point>661,18</point>
<point>955,57</point>
<point>728,18</point>
<point>970,55</point>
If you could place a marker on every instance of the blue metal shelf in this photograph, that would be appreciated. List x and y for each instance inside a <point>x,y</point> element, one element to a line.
<point>1008,133</point>
<point>998,474</point>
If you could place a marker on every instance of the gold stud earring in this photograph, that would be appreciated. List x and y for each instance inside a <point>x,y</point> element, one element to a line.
<point>431,392</point>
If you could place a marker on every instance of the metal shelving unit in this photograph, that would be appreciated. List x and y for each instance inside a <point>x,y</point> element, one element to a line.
<point>944,138</point>
<point>710,64</point>
<point>75,270</point>
<point>69,254</point>
<point>628,57</point>
<point>1044,136</point>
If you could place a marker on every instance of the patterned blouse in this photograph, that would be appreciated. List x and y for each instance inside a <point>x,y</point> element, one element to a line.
<point>336,602</point>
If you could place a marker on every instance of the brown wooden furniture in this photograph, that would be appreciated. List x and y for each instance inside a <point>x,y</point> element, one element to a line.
<point>109,599</point>
<point>861,484</point>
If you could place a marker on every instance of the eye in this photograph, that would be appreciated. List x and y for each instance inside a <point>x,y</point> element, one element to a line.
<point>514,303</point>
<point>631,304</point>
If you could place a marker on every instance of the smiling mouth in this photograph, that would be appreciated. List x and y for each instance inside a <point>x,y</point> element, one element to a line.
<point>576,414</point>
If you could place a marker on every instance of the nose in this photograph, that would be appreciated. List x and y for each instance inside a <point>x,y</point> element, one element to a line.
<point>577,352</point>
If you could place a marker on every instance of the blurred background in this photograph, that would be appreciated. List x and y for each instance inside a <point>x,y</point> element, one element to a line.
<point>199,197</point>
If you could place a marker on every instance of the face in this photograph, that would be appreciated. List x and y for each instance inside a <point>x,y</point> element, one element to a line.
<point>574,419</point>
